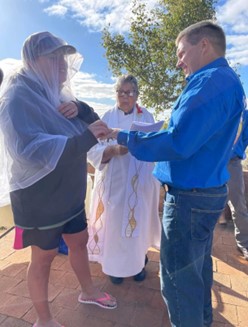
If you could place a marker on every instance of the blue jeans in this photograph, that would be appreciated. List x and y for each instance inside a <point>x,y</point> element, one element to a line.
<point>186,264</point>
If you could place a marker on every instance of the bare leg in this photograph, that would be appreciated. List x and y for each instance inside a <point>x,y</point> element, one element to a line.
<point>37,279</point>
<point>78,256</point>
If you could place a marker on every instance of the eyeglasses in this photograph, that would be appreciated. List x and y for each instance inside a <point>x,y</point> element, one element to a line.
<point>121,93</point>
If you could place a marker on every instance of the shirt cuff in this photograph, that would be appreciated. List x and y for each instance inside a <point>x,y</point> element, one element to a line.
<point>122,137</point>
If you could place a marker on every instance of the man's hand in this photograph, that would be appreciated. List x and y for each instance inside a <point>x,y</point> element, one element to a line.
<point>68,109</point>
<point>99,129</point>
<point>113,133</point>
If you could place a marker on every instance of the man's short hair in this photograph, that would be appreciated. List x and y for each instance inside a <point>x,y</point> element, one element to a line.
<point>1,76</point>
<point>205,29</point>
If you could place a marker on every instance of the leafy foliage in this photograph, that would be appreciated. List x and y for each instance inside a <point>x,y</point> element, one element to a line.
<point>148,51</point>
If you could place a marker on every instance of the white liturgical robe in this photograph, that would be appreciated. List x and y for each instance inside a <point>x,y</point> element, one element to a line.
<point>123,219</point>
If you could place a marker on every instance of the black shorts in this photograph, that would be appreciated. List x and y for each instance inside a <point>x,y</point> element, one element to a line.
<point>48,239</point>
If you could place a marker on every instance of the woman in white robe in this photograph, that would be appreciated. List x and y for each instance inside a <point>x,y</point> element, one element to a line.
<point>124,219</point>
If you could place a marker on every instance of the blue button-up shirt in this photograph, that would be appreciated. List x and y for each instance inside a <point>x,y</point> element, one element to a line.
<point>194,150</point>
<point>242,142</point>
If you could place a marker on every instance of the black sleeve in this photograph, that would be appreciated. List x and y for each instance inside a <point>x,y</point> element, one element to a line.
<point>85,112</point>
<point>77,146</point>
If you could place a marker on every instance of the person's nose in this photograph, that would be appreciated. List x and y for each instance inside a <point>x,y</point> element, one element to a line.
<point>63,63</point>
<point>178,64</point>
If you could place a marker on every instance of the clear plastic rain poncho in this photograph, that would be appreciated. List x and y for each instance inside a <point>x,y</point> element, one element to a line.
<point>34,131</point>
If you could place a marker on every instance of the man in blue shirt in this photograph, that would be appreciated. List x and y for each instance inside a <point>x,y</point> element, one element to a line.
<point>236,185</point>
<point>192,155</point>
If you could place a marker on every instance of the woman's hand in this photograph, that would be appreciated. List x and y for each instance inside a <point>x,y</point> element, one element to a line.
<point>99,129</point>
<point>112,151</point>
<point>121,149</point>
<point>68,109</point>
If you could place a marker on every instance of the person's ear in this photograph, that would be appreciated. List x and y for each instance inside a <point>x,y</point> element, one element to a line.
<point>205,45</point>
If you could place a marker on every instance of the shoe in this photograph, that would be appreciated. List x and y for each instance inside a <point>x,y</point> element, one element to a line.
<point>101,302</point>
<point>116,280</point>
<point>140,276</point>
<point>244,251</point>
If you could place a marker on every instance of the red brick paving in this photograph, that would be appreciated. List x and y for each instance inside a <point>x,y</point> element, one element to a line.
<point>139,304</point>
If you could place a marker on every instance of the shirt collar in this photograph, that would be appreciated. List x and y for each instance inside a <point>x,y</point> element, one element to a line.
<point>138,108</point>
<point>213,64</point>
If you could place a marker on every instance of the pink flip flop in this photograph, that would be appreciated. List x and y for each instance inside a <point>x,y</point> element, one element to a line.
<point>99,301</point>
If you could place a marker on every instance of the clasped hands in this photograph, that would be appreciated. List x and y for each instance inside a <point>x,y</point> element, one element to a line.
<point>101,130</point>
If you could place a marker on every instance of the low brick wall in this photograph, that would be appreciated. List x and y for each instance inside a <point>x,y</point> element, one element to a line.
<point>6,216</point>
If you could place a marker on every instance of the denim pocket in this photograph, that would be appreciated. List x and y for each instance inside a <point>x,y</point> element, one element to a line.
<point>203,223</point>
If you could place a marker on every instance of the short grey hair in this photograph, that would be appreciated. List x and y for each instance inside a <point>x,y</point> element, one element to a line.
<point>128,78</point>
<point>208,29</point>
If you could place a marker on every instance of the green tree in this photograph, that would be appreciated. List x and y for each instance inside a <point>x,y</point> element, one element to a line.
<point>148,51</point>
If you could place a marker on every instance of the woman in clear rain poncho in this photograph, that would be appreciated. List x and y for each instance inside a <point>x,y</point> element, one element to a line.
<point>47,134</point>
